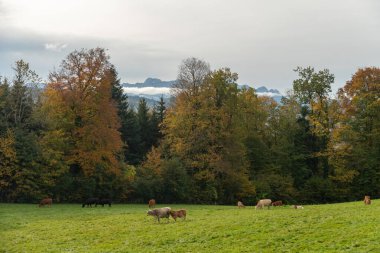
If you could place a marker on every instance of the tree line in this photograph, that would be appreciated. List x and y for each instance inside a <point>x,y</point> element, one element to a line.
<point>77,137</point>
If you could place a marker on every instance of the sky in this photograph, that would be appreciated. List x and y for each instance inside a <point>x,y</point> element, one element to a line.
<point>263,41</point>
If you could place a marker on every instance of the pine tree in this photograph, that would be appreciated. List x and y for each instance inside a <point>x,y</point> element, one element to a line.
<point>128,122</point>
<point>158,116</point>
<point>145,128</point>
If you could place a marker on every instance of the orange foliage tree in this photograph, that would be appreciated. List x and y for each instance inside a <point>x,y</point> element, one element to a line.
<point>8,168</point>
<point>80,109</point>
<point>356,137</point>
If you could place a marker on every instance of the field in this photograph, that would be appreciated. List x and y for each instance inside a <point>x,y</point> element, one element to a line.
<point>348,227</point>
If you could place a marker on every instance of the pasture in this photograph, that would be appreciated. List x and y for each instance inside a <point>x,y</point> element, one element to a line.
<point>346,227</point>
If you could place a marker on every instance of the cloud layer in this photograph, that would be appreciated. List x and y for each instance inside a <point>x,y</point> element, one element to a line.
<point>146,90</point>
<point>56,47</point>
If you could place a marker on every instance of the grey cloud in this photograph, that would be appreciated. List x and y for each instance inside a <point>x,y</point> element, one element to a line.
<point>44,53</point>
<point>2,8</point>
<point>15,45</point>
<point>263,41</point>
<point>57,47</point>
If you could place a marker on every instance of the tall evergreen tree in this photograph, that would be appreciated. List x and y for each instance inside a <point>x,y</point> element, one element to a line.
<point>17,108</point>
<point>158,115</point>
<point>128,121</point>
<point>145,128</point>
<point>4,91</point>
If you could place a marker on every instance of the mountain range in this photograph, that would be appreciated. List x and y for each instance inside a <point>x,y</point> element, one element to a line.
<point>152,89</point>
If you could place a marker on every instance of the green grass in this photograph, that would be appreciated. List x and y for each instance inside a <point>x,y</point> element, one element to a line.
<point>347,227</point>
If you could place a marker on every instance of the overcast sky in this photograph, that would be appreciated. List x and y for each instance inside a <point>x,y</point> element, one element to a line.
<point>263,41</point>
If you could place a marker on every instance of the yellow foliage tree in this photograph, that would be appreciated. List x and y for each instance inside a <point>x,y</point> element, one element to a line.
<point>79,106</point>
<point>8,168</point>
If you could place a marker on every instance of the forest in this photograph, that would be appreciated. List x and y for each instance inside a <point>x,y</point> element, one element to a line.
<point>75,136</point>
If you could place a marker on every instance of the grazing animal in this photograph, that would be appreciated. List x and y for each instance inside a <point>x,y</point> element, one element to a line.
<point>152,203</point>
<point>367,200</point>
<point>277,203</point>
<point>297,207</point>
<point>178,214</point>
<point>46,201</point>
<point>104,202</point>
<point>240,204</point>
<point>91,201</point>
<point>263,203</point>
<point>159,213</point>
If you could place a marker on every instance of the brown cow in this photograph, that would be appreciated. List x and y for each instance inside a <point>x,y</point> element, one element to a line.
<point>277,203</point>
<point>240,204</point>
<point>178,214</point>
<point>46,201</point>
<point>152,203</point>
<point>367,200</point>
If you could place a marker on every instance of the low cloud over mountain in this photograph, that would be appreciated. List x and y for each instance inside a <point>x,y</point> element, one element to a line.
<point>153,89</point>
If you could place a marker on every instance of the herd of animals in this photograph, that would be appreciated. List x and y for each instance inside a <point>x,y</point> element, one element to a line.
<point>89,202</point>
<point>166,212</point>
<point>267,203</point>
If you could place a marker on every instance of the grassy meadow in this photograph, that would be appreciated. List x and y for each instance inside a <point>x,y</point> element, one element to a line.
<point>346,227</point>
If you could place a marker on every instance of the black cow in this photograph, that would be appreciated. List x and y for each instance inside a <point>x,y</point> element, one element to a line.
<point>91,201</point>
<point>104,202</point>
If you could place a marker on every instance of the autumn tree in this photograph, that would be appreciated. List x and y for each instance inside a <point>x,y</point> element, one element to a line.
<point>8,167</point>
<point>191,75</point>
<point>80,107</point>
<point>149,178</point>
<point>266,130</point>
<point>216,143</point>
<point>356,137</point>
<point>312,89</point>
<point>201,131</point>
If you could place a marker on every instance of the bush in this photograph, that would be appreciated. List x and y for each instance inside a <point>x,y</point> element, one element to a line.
<point>318,190</point>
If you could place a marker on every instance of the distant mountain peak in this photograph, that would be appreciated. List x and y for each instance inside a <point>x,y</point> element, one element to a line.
<point>262,89</point>
<point>154,88</point>
<point>152,81</point>
<point>274,91</point>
